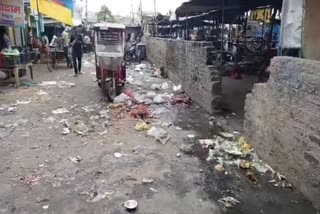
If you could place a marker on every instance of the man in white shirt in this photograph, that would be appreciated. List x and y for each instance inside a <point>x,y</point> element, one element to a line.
<point>66,40</point>
<point>86,41</point>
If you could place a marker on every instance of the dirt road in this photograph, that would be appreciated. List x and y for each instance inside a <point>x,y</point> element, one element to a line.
<point>65,150</point>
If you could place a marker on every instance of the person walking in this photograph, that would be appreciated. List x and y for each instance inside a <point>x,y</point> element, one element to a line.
<point>6,43</point>
<point>77,52</point>
<point>66,41</point>
<point>44,45</point>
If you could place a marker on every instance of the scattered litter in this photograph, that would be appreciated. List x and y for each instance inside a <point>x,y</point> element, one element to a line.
<point>77,159</point>
<point>118,155</point>
<point>142,126</point>
<point>252,176</point>
<point>122,98</point>
<point>60,84</point>
<point>162,98</point>
<point>219,168</point>
<point>89,108</point>
<point>284,184</point>
<point>151,94</point>
<point>280,177</point>
<point>94,117</point>
<point>186,148</point>
<point>160,72</point>
<point>131,204</point>
<point>35,147</point>
<point>103,133</point>
<point>116,105</point>
<point>259,165</point>
<point>65,84</point>
<point>206,143</point>
<point>45,207</point>
<point>60,111</point>
<point>140,111</point>
<point>106,124</point>
<point>42,93</point>
<point>104,114</point>
<point>137,69</point>
<point>97,197</point>
<point>141,66</point>
<point>95,194</point>
<point>66,131</point>
<point>155,86</point>
<point>41,200</point>
<point>31,180</point>
<point>177,87</point>
<point>157,73</point>
<point>178,128</point>
<point>245,146</point>
<point>158,99</point>
<point>129,93</point>
<point>65,123</point>
<point>280,181</point>
<point>165,86</point>
<point>48,83</point>
<point>244,164</point>
<point>80,128</point>
<point>191,136</point>
<point>130,80</point>
<point>153,190</point>
<point>178,155</point>
<point>229,202</point>
<point>23,102</point>
<point>49,120</point>
<point>226,134</point>
<point>181,99</point>
<point>166,125</point>
<point>159,134</point>
<point>147,181</point>
<point>29,84</point>
<point>11,109</point>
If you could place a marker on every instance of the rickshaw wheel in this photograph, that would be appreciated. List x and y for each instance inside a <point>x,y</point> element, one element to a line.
<point>51,62</point>
<point>110,90</point>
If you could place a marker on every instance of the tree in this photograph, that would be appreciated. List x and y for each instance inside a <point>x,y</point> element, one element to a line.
<point>105,15</point>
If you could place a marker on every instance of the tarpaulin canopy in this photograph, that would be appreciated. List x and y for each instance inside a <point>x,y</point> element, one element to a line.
<point>60,10</point>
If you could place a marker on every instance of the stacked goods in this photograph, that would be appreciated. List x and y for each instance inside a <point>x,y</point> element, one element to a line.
<point>11,57</point>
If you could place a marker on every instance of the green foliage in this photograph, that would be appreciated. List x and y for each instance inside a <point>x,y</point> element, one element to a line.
<point>105,15</point>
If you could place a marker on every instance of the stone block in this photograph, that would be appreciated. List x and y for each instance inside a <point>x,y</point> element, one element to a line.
<point>187,64</point>
<point>282,119</point>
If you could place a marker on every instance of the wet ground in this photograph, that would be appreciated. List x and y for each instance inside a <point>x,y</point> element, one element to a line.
<point>46,171</point>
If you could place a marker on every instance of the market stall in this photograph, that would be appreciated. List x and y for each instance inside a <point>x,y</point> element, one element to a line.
<point>14,61</point>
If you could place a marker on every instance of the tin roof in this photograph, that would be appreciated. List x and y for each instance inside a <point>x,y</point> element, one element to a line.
<point>107,25</point>
<point>195,7</point>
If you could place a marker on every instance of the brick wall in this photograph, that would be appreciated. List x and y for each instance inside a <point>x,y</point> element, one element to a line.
<point>187,64</point>
<point>283,122</point>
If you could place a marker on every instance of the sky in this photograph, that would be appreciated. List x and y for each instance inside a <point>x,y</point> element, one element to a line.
<point>123,7</point>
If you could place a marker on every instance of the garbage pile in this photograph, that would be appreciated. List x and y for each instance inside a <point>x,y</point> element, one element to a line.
<point>226,151</point>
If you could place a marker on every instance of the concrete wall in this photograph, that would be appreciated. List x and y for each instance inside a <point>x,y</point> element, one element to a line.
<point>283,122</point>
<point>187,64</point>
<point>311,35</point>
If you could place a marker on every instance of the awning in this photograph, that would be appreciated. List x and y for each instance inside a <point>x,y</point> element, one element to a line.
<point>195,7</point>
<point>60,10</point>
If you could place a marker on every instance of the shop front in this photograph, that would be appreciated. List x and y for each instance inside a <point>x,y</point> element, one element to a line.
<point>14,60</point>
